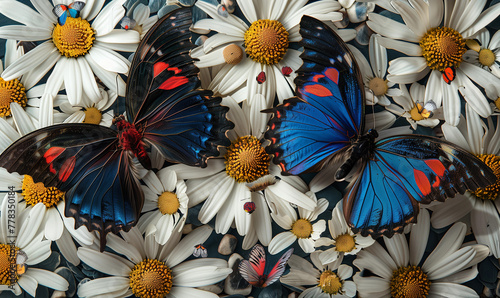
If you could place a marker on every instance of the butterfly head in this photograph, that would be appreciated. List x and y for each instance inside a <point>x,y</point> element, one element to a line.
<point>361,148</point>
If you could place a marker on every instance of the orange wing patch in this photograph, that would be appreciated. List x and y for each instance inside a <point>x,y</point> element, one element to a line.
<point>332,74</point>
<point>317,90</point>
<point>422,182</point>
<point>67,168</point>
<point>173,82</point>
<point>436,166</point>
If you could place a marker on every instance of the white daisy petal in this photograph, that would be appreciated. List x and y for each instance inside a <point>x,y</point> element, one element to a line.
<point>451,106</point>
<point>31,59</point>
<point>282,241</point>
<point>24,32</point>
<point>103,286</point>
<point>105,262</point>
<point>191,292</point>
<point>109,60</point>
<point>108,17</point>
<point>29,284</point>
<point>112,80</point>
<point>390,28</point>
<point>89,83</point>
<point>48,278</point>
<point>450,242</point>
<point>22,13</point>
<point>407,48</point>
<point>418,237</point>
<point>185,247</point>
<point>410,17</point>
<point>445,289</point>
<point>73,81</point>
<point>486,17</point>
<point>198,277</point>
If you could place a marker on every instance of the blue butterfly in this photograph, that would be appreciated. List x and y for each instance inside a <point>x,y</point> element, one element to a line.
<point>61,11</point>
<point>325,122</point>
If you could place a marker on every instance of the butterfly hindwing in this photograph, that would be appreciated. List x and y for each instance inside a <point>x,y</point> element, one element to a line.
<point>84,161</point>
<point>183,122</point>
<point>278,268</point>
<point>407,170</point>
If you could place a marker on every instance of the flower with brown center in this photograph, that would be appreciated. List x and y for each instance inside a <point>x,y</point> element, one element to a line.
<point>168,203</point>
<point>409,282</point>
<point>442,47</point>
<point>8,256</point>
<point>490,192</point>
<point>330,283</point>
<point>151,278</point>
<point>246,159</point>
<point>302,228</point>
<point>75,38</point>
<point>266,41</point>
<point>35,193</point>
<point>92,115</point>
<point>11,91</point>
<point>378,86</point>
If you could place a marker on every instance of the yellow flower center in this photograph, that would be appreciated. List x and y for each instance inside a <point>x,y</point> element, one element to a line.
<point>8,256</point>
<point>11,91</point>
<point>232,54</point>
<point>345,243</point>
<point>35,193</point>
<point>442,47</point>
<point>168,203</point>
<point>266,41</point>
<point>302,228</point>
<point>492,191</point>
<point>487,57</point>
<point>92,115</point>
<point>378,86</point>
<point>497,103</point>
<point>151,279</point>
<point>409,282</point>
<point>74,38</point>
<point>419,113</point>
<point>330,283</point>
<point>246,159</point>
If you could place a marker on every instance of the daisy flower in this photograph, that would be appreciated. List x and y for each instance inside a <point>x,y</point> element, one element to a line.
<point>483,204</point>
<point>164,205</point>
<point>416,107</point>
<point>89,111</point>
<point>29,247</point>
<point>22,104</point>
<point>377,88</point>
<point>151,270</point>
<point>258,55</point>
<point>399,270</point>
<point>79,50</point>
<point>324,281</point>
<point>357,11</point>
<point>299,228</point>
<point>485,52</point>
<point>229,186</point>
<point>433,48</point>
<point>344,241</point>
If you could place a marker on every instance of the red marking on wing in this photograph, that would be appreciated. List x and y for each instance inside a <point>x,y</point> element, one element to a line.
<point>317,90</point>
<point>273,126</point>
<point>317,77</point>
<point>436,166</point>
<point>422,182</point>
<point>67,168</point>
<point>51,169</point>
<point>278,115</point>
<point>286,70</point>
<point>282,166</point>
<point>53,153</point>
<point>332,74</point>
<point>276,154</point>
<point>173,82</point>
<point>437,182</point>
<point>159,67</point>
<point>64,7</point>
<point>176,70</point>
<point>273,140</point>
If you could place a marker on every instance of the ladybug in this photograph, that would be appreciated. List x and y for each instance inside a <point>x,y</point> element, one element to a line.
<point>249,207</point>
<point>449,74</point>
<point>286,71</point>
<point>261,78</point>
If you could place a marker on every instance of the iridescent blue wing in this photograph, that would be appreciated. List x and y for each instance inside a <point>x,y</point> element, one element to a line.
<point>61,11</point>
<point>83,160</point>
<point>407,170</point>
<point>164,100</point>
<point>305,135</point>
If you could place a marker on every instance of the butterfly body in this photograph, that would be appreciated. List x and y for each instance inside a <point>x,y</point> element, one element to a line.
<point>325,123</point>
<point>63,11</point>
<point>131,139</point>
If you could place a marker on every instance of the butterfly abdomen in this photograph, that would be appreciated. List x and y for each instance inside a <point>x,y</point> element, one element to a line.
<point>362,147</point>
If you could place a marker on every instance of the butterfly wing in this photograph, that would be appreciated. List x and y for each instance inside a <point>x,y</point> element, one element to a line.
<point>278,268</point>
<point>84,161</point>
<point>75,8</point>
<point>185,123</point>
<point>61,11</point>
<point>407,170</point>
<point>330,81</point>
<point>253,269</point>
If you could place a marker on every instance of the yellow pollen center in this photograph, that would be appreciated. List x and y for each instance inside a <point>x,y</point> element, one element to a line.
<point>168,203</point>
<point>330,283</point>
<point>409,282</point>
<point>232,54</point>
<point>8,256</point>
<point>246,159</point>
<point>442,47</point>
<point>151,278</point>
<point>302,228</point>
<point>378,86</point>
<point>11,91</point>
<point>74,38</point>
<point>92,115</point>
<point>487,57</point>
<point>492,191</point>
<point>497,103</point>
<point>266,41</point>
<point>345,243</point>
<point>35,193</point>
